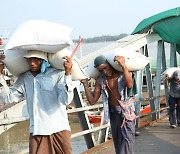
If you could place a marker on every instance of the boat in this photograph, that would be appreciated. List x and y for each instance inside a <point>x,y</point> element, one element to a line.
<point>94,116</point>
<point>145,110</point>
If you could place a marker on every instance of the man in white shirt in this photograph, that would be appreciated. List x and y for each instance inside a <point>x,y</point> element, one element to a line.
<point>47,92</point>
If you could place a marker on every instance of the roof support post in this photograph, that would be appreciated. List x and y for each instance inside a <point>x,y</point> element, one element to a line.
<point>164,67</point>
<point>158,80</point>
<point>173,58</point>
<point>139,94</point>
<point>149,85</point>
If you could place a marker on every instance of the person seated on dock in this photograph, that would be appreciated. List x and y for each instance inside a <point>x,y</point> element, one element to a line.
<point>174,99</point>
<point>47,91</point>
<point>113,85</point>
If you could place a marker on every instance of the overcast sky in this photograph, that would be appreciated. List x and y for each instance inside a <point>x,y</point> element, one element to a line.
<point>88,18</point>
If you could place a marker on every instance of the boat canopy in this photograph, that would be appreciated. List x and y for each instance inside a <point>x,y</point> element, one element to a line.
<point>166,24</point>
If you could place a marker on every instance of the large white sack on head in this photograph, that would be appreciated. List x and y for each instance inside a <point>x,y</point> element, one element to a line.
<point>91,71</point>
<point>56,60</point>
<point>15,61</point>
<point>134,61</point>
<point>169,72</point>
<point>40,35</point>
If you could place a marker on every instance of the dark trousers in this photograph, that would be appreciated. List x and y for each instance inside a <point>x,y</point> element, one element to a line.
<point>123,137</point>
<point>174,110</point>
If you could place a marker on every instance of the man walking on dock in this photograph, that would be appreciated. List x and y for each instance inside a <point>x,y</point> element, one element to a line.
<point>174,99</point>
<point>113,85</point>
<point>47,92</point>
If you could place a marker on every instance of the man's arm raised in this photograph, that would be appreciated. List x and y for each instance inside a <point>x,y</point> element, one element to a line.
<point>92,97</point>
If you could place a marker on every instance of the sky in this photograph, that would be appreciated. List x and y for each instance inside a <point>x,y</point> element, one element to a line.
<point>87,18</point>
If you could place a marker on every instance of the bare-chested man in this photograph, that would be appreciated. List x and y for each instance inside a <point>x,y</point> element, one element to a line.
<point>113,86</point>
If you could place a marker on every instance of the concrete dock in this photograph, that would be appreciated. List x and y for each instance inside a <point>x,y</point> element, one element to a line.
<point>157,137</point>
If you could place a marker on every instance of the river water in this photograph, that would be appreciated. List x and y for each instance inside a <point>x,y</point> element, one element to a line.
<point>15,140</point>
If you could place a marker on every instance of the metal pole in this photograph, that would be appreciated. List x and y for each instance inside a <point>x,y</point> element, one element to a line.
<point>172,55</point>
<point>149,84</point>
<point>158,80</point>
<point>164,67</point>
<point>139,94</point>
<point>83,119</point>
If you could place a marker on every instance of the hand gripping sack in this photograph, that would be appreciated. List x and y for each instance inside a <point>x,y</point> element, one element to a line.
<point>170,71</point>
<point>134,61</point>
<point>56,60</point>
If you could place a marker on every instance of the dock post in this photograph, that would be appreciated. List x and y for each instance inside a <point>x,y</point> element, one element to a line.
<point>149,82</point>
<point>158,80</point>
<point>139,95</point>
<point>164,67</point>
<point>173,59</point>
<point>83,119</point>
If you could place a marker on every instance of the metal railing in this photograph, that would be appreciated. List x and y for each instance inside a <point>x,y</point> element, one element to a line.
<point>7,121</point>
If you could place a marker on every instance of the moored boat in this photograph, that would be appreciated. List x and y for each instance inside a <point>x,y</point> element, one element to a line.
<point>94,116</point>
<point>145,110</point>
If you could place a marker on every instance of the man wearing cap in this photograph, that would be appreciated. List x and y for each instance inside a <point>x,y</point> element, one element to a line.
<point>113,86</point>
<point>47,92</point>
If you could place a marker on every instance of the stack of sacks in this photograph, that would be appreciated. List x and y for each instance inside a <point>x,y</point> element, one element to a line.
<point>38,35</point>
<point>170,71</point>
<point>134,61</point>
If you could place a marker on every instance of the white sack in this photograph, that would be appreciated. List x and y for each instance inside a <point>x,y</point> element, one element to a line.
<point>40,35</point>
<point>56,60</point>
<point>91,71</point>
<point>169,72</point>
<point>134,61</point>
<point>15,62</point>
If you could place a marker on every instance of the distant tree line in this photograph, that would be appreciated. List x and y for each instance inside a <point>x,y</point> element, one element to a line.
<point>104,38</point>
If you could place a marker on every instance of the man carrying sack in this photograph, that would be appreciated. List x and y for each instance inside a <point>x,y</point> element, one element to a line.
<point>47,91</point>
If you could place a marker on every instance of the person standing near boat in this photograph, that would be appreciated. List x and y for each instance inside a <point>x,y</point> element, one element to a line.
<point>47,92</point>
<point>113,86</point>
<point>174,99</point>
<point>1,41</point>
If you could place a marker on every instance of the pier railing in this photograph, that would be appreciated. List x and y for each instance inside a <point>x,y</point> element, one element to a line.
<point>8,120</point>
